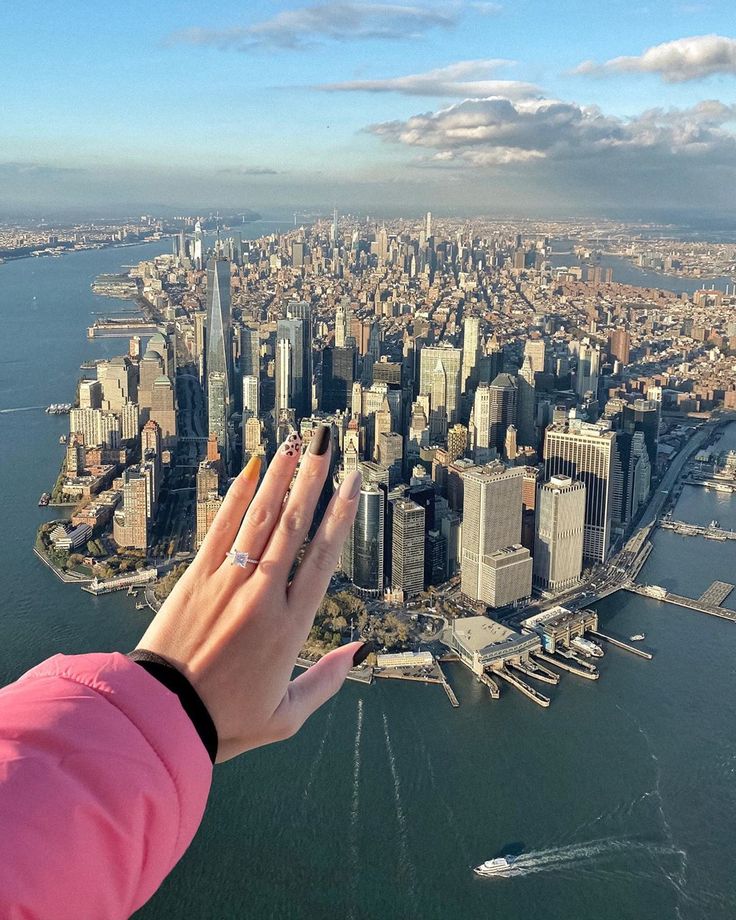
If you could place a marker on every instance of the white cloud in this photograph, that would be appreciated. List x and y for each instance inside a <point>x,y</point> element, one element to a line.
<point>678,61</point>
<point>340,22</point>
<point>497,132</point>
<point>464,79</point>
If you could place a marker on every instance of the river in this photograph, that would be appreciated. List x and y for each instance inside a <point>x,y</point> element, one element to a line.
<point>621,795</point>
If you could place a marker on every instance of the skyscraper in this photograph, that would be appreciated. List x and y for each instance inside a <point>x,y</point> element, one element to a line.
<point>503,397</point>
<point>644,415</point>
<point>284,374</point>
<point>449,360</point>
<point>589,359</point>
<point>471,352</point>
<point>219,352</point>
<point>163,410</point>
<point>491,521</point>
<point>298,395</point>
<point>301,310</point>
<point>558,544</point>
<point>535,349</point>
<point>407,550</point>
<point>526,405</point>
<point>619,345</point>
<point>586,453</point>
<point>250,397</point>
<point>362,555</point>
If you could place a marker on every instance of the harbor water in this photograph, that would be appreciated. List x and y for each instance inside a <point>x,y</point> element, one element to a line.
<point>621,795</point>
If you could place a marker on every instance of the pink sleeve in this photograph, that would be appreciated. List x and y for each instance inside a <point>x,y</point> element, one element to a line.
<point>103,784</point>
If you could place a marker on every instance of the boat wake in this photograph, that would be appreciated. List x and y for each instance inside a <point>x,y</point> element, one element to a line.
<point>577,855</point>
<point>406,865</point>
<point>21,409</point>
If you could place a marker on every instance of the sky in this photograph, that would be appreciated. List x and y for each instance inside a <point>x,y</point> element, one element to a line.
<point>508,108</point>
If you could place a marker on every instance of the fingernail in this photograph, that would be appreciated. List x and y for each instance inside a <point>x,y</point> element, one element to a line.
<point>292,445</point>
<point>350,487</point>
<point>363,652</point>
<point>320,441</point>
<point>252,468</point>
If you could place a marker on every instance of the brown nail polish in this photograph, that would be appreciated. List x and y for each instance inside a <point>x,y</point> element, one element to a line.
<point>363,652</point>
<point>320,441</point>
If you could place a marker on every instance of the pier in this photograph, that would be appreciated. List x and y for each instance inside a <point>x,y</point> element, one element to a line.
<point>680,601</point>
<point>716,594</point>
<point>493,687</point>
<point>531,669</point>
<point>97,587</point>
<point>710,532</point>
<point>517,682</point>
<point>362,675</point>
<point>619,644</point>
<point>446,686</point>
<point>589,672</point>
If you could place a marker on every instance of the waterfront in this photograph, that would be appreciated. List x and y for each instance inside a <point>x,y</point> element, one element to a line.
<point>623,791</point>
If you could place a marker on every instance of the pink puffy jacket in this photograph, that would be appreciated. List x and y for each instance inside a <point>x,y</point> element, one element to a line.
<point>103,784</point>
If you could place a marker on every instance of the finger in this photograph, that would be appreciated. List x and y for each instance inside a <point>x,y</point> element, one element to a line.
<point>310,690</point>
<point>296,517</point>
<point>225,525</point>
<point>313,575</point>
<point>264,510</point>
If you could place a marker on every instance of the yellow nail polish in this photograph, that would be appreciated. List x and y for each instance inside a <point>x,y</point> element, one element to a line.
<point>252,468</point>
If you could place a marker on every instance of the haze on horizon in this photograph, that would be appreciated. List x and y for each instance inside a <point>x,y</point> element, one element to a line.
<point>459,106</point>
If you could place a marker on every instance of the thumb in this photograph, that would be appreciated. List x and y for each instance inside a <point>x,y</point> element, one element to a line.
<point>306,693</point>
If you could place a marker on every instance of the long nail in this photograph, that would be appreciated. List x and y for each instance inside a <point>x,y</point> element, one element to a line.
<point>292,445</point>
<point>350,487</point>
<point>320,441</point>
<point>252,468</point>
<point>363,652</point>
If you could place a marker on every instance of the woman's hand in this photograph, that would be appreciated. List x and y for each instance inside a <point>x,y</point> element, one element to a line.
<point>236,632</point>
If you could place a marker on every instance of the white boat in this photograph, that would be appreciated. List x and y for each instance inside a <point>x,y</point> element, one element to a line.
<point>637,638</point>
<point>587,647</point>
<point>499,866</point>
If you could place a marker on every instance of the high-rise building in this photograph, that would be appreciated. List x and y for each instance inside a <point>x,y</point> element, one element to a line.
<point>619,345</point>
<point>363,553</point>
<point>526,409</point>
<point>506,576</point>
<point>90,394</point>
<point>293,387</point>
<point>491,521</point>
<point>536,350</point>
<point>560,526</point>
<point>407,550</point>
<point>457,442</point>
<point>250,397</point>
<point>342,323</point>
<point>119,379</point>
<point>338,376</point>
<point>503,394</point>
<point>163,410</point>
<point>644,415</point>
<point>151,367</point>
<point>250,351</point>
<point>471,352</point>
<point>301,310</point>
<point>586,453</point>
<point>219,353</point>
<point>589,359</point>
<point>129,421</point>
<point>449,360</point>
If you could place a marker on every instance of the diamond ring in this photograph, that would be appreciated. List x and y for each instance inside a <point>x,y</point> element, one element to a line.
<point>241,559</point>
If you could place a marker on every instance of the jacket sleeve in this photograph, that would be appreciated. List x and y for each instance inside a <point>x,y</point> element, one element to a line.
<point>103,784</point>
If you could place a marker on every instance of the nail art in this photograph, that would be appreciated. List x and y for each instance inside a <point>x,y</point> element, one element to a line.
<point>320,441</point>
<point>292,446</point>
<point>363,652</point>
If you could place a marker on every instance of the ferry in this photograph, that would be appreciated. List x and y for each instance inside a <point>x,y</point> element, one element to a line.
<point>58,409</point>
<point>500,866</point>
<point>639,637</point>
<point>44,500</point>
<point>587,647</point>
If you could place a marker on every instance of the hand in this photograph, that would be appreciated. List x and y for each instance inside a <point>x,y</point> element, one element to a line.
<point>236,632</point>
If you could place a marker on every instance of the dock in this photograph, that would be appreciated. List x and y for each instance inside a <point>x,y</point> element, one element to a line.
<point>446,686</point>
<point>523,687</point>
<point>710,532</point>
<point>589,673</point>
<point>680,601</point>
<point>532,669</point>
<point>716,594</point>
<point>619,644</point>
<point>493,687</point>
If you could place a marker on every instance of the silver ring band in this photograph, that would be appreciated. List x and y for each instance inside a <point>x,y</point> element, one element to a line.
<point>240,559</point>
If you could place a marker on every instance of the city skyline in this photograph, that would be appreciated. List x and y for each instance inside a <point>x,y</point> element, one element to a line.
<point>463,107</point>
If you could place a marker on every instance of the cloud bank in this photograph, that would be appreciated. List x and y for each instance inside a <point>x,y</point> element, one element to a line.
<point>679,61</point>
<point>464,79</point>
<point>338,22</point>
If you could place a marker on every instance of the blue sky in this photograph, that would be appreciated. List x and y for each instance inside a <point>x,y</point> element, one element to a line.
<point>522,105</point>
